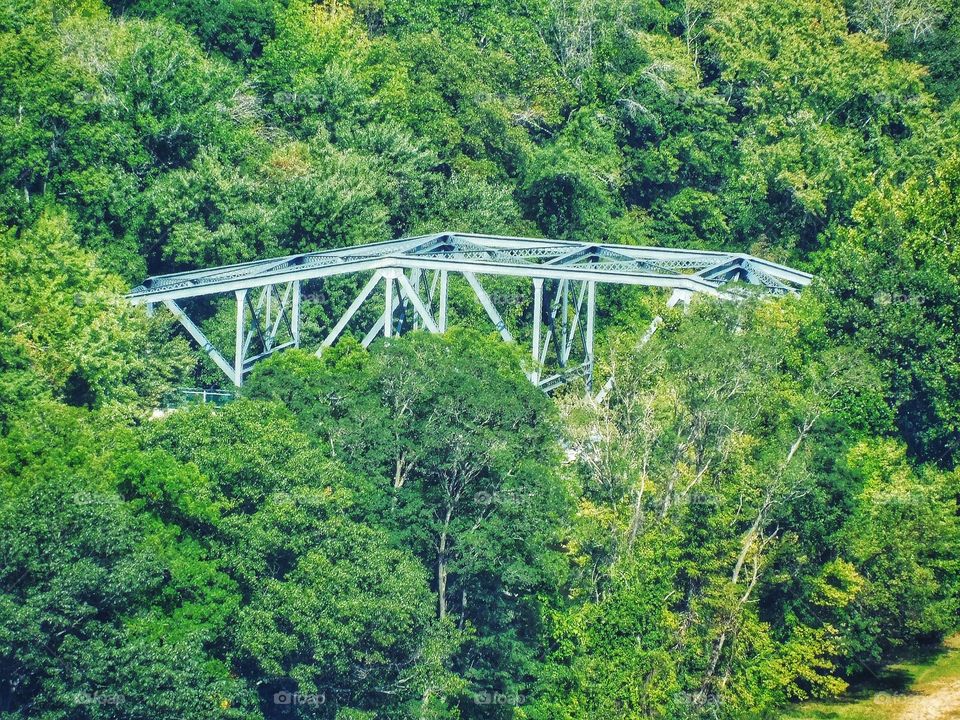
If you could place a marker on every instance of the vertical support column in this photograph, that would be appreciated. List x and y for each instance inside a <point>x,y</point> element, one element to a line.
<point>588,340</point>
<point>680,296</point>
<point>269,300</point>
<point>443,301</point>
<point>564,352</point>
<point>388,308</point>
<point>150,309</point>
<point>241,326</point>
<point>537,320</point>
<point>415,274</point>
<point>295,314</point>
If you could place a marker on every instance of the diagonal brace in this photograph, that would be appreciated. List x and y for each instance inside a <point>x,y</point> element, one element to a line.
<point>412,295</point>
<point>201,339</point>
<point>351,311</point>
<point>488,306</point>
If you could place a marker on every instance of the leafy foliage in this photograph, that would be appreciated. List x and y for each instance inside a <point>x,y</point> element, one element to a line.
<point>763,506</point>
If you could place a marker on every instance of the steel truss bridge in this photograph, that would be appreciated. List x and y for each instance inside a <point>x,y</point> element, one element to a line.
<point>412,274</point>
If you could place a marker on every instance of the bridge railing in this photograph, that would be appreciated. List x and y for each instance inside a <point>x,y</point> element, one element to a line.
<point>193,396</point>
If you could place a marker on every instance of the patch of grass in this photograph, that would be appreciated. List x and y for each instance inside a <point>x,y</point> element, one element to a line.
<point>945,667</point>
<point>893,693</point>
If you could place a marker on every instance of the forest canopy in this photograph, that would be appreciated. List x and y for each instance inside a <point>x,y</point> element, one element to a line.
<point>764,506</point>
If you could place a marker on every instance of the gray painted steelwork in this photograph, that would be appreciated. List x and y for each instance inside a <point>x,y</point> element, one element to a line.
<point>415,275</point>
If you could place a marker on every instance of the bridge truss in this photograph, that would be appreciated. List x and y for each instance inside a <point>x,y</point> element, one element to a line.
<point>413,276</point>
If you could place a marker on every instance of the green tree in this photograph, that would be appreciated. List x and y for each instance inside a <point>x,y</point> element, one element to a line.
<point>571,186</point>
<point>893,287</point>
<point>70,322</point>
<point>902,538</point>
<point>458,450</point>
<point>105,610</point>
<point>826,111</point>
<point>330,606</point>
<point>323,71</point>
<point>708,442</point>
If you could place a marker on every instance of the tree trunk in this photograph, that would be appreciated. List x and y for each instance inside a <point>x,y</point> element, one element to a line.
<point>442,566</point>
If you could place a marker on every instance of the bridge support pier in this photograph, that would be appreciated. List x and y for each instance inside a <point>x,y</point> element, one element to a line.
<point>680,296</point>
<point>488,305</point>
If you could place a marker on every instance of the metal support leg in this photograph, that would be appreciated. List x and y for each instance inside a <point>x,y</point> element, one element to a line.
<point>588,340</point>
<point>295,314</point>
<point>443,301</point>
<point>238,356</point>
<point>201,339</point>
<point>421,310</point>
<point>558,335</point>
<point>354,306</point>
<point>253,329</point>
<point>434,284</point>
<point>680,296</point>
<point>564,309</point>
<point>537,320</point>
<point>415,275</point>
<point>282,315</point>
<point>388,307</point>
<point>551,326</point>
<point>269,291</point>
<point>377,327</point>
<point>568,342</point>
<point>488,305</point>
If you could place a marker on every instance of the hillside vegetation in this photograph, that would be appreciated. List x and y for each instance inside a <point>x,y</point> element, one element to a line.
<point>765,506</point>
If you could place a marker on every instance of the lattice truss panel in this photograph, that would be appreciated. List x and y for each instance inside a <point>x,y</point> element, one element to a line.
<point>412,276</point>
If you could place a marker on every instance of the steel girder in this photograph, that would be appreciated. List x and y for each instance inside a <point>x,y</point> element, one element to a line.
<point>415,275</point>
